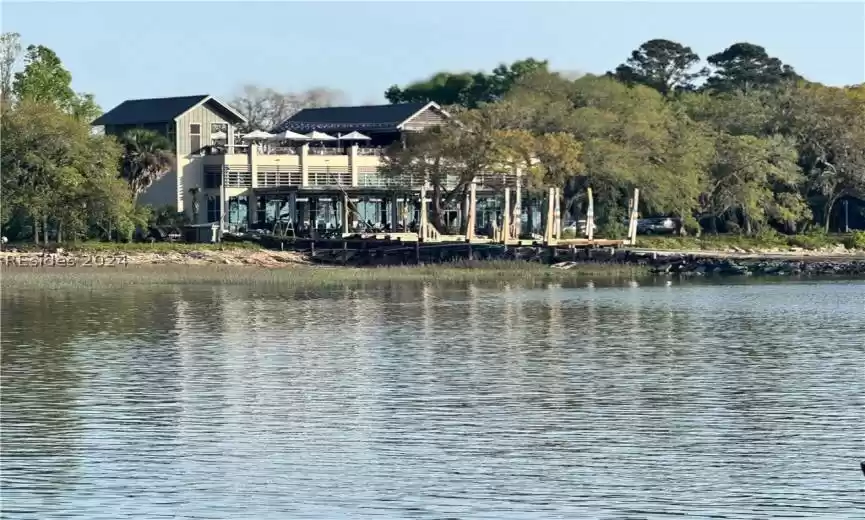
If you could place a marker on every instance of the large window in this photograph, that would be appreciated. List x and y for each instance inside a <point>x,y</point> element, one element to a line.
<point>212,178</point>
<point>214,210</point>
<point>195,138</point>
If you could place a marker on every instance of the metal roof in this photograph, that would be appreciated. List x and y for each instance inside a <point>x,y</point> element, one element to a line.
<point>157,110</point>
<point>369,117</point>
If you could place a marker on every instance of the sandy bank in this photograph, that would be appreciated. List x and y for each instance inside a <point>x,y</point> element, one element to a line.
<point>256,258</point>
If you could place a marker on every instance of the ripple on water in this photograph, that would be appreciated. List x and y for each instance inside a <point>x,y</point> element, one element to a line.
<point>458,401</point>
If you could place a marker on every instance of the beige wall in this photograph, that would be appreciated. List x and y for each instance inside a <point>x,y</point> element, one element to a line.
<point>162,192</point>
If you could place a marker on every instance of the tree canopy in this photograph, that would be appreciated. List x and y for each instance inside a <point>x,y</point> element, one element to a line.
<point>738,143</point>
<point>467,89</point>
<point>59,180</point>
<point>663,65</point>
<point>754,148</point>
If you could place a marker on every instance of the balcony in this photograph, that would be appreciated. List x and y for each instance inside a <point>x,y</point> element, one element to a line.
<point>269,149</point>
<point>318,168</point>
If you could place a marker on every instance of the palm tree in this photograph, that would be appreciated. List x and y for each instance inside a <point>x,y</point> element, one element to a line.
<point>147,157</point>
<point>193,192</point>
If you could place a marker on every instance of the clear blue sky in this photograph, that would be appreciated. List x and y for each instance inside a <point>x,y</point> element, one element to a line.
<point>122,50</point>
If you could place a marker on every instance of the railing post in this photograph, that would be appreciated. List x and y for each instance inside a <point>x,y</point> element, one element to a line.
<point>304,165</point>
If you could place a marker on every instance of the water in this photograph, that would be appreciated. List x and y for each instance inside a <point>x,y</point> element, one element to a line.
<point>458,401</point>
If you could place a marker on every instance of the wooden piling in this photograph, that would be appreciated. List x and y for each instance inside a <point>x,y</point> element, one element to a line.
<point>632,224</point>
<point>506,217</point>
<point>473,212</point>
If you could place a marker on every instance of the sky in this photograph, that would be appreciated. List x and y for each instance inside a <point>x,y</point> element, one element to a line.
<point>125,50</point>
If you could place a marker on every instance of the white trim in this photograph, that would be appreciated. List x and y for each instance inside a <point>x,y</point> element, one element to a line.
<point>431,104</point>
<point>221,103</point>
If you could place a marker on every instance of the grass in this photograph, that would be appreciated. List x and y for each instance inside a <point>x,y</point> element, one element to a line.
<point>760,242</point>
<point>144,275</point>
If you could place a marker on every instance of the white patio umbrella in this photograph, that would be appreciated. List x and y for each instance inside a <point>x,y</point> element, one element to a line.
<point>256,134</point>
<point>218,136</point>
<point>320,136</point>
<point>355,136</point>
<point>288,135</point>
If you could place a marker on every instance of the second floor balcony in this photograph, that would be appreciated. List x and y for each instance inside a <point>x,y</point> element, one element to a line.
<point>308,167</point>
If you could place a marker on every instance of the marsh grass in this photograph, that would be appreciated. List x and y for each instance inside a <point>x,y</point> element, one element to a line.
<point>149,275</point>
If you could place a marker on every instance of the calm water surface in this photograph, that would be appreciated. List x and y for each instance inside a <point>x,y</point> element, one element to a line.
<point>633,400</point>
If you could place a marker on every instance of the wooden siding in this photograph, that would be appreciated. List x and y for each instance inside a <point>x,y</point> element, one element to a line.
<point>203,115</point>
<point>427,118</point>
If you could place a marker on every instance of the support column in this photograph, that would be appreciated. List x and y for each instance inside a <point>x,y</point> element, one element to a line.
<point>394,213</point>
<point>252,163</point>
<point>517,221</point>
<point>352,164</point>
<point>590,216</point>
<point>422,227</point>
<point>304,165</point>
<point>382,212</point>
<point>346,217</point>
<point>292,209</point>
<point>223,203</point>
<point>472,212</point>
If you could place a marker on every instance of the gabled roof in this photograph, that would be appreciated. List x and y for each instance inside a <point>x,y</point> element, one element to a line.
<point>369,117</point>
<point>159,110</point>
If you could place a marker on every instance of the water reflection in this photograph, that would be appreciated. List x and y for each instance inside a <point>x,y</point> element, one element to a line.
<point>601,400</point>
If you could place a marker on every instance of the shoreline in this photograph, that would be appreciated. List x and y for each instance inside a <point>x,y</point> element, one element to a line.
<point>653,260</point>
<point>246,266</point>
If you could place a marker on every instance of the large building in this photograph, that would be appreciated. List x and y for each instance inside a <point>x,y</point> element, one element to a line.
<point>254,185</point>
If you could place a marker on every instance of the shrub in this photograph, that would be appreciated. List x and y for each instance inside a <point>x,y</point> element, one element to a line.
<point>855,240</point>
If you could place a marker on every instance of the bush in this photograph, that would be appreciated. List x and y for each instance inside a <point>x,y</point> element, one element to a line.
<point>855,241</point>
<point>816,239</point>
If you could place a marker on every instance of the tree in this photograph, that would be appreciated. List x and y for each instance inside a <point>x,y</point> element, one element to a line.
<point>753,180</point>
<point>147,157</point>
<point>266,108</point>
<point>448,157</point>
<point>828,125</point>
<point>663,65</point>
<point>467,89</point>
<point>45,80</point>
<point>745,67</point>
<point>56,175</point>
<point>10,51</point>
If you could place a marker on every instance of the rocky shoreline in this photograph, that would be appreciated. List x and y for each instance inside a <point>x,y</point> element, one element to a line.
<point>734,264</point>
<point>667,263</point>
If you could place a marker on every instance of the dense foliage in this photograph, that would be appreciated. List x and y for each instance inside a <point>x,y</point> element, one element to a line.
<point>60,181</point>
<point>744,144</point>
